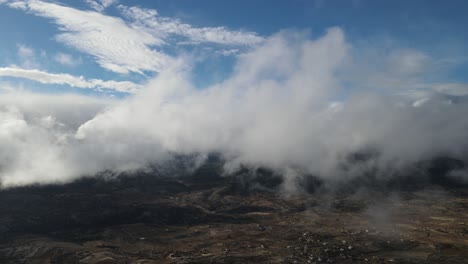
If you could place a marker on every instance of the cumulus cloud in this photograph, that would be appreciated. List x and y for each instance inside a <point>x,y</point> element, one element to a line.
<point>281,108</point>
<point>62,78</point>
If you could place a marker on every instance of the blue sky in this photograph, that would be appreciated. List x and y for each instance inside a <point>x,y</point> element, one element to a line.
<point>141,38</point>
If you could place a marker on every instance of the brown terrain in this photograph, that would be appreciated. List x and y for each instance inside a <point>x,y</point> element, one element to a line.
<point>205,218</point>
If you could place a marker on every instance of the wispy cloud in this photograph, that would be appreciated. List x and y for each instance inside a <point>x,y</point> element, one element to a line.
<point>455,89</point>
<point>61,78</point>
<point>100,5</point>
<point>228,52</point>
<point>27,57</point>
<point>116,46</point>
<point>128,46</point>
<point>67,59</point>
<point>163,27</point>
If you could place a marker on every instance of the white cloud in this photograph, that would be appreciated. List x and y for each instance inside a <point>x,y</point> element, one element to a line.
<point>123,46</point>
<point>115,45</point>
<point>25,52</point>
<point>228,52</point>
<point>100,5</point>
<point>455,89</point>
<point>278,109</point>
<point>67,59</point>
<point>281,115</point>
<point>36,132</point>
<point>61,78</point>
<point>390,68</point>
<point>408,62</point>
<point>27,57</point>
<point>163,27</point>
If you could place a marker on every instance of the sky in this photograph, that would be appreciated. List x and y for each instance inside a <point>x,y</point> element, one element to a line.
<point>127,43</point>
<point>297,86</point>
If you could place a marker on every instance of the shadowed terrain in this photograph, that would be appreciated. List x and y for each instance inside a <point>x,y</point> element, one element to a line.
<point>202,217</point>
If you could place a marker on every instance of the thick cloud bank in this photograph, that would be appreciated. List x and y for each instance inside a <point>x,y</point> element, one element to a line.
<point>292,104</point>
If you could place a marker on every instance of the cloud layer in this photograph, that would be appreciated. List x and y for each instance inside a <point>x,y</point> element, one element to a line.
<point>35,135</point>
<point>283,107</point>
